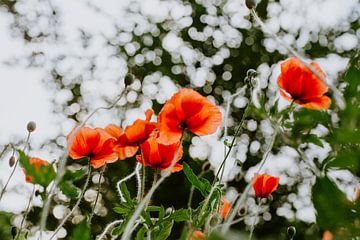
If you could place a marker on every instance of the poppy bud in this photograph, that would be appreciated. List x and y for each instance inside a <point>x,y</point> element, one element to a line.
<point>250,4</point>
<point>291,231</point>
<point>12,161</point>
<point>31,126</point>
<point>129,79</point>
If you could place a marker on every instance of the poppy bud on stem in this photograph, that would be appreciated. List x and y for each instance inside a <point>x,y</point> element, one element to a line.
<point>31,126</point>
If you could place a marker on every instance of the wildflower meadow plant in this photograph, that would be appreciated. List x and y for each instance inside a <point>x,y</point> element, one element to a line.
<point>111,181</point>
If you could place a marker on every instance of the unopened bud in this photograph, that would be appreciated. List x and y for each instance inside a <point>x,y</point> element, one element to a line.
<point>12,161</point>
<point>129,79</point>
<point>31,126</point>
<point>291,231</point>
<point>251,4</point>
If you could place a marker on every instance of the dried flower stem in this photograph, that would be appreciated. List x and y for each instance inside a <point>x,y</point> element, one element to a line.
<point>145,201</point>
<point>76,204</point>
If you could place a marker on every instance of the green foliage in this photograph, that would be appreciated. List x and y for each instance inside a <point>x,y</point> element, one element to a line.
<point>66,185</point>
<point>203,185</point>
<point>334,210</point>
<point>43,175</point>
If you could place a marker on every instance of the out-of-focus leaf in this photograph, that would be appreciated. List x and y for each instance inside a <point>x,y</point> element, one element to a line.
<point>202,185</point>
<point>126,193</point>
<point>312,138</point>
<point>334,210</point>
<point>82,231</point>
<point>43,175</point>
<point>346,159</point>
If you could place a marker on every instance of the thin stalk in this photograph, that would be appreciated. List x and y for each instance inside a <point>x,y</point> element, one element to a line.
<point>145,201</point>
<point>4,150</point>
<point>241,201</point>
<point>14,168</point>
<point>97,195</point>
<point>62,163</point>
<point>76,204</point>
<point>26,213</point>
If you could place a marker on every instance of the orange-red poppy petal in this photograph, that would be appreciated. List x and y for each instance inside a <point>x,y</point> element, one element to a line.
<point>319,103</point>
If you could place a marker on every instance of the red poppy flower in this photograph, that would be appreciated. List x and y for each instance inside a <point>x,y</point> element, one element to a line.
<point>224,209</point>
<point>264,185</point>
<point>300,85</point>
<point>327,235</point>
<point>121,147</point>
<point>159,156</point>
<point>187,109</point>
<point>96,144</point>
<point>140,130</point>
<point>37,162</point>
<point>198,235</point>
<point>127,142</point>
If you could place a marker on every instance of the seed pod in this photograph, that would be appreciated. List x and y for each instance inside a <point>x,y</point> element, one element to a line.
<point>12,161</point>
<point>31,126</point>
<point>250,4</point>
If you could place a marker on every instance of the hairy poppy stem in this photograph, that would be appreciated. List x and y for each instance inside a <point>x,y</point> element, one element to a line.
<point>14,168</point>
<point>25,213</point>
<point>139,185</point>
<point>145,201</point>
<point>62,163</point>
<point>118,184</point>
<point>108,227</point>
<point>76,204</point>
<point>97,194</point>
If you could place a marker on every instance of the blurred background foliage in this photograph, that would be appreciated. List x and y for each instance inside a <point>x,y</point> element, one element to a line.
<point>225,51</point>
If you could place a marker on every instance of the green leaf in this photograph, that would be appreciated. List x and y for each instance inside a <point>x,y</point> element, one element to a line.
<point>202,185</point>
<point>346,159</point>
<point>126,193</point>
<point>69,189</point>
<point>180,215</point>
<point>163,231</point>
<point>312,138</point>
<point>82,231</point>
<point>43,175</point>
<point>333,209</point>
<point>140,234</point>
<point>123,209</point>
